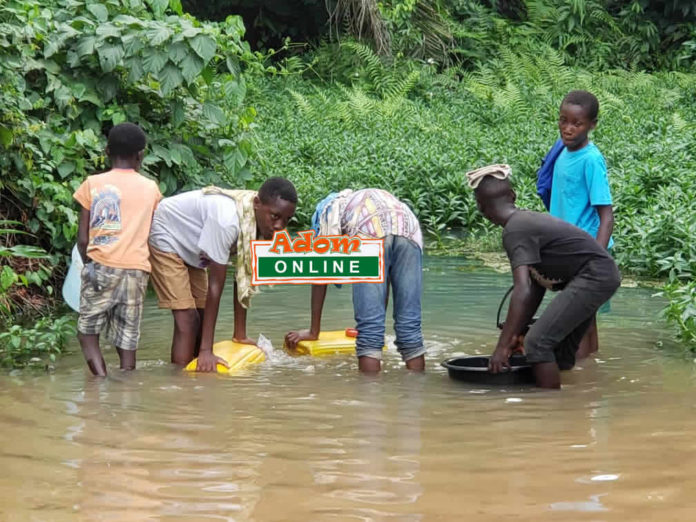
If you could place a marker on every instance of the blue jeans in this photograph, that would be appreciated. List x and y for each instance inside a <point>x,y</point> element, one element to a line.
<point>403,270</point>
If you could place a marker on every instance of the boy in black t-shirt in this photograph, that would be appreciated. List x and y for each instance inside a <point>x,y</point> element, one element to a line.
<point>545,253</point>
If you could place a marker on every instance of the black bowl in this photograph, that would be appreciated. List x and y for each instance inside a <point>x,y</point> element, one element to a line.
<point>475,370</point>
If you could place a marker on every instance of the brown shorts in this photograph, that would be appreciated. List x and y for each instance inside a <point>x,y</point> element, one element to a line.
<point>178,286</point>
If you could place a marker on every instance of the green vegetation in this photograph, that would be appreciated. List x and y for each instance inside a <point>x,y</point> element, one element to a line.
<point>29,334</point>
<point>412,95</point>
<point>70,70</point>
<point>416,131</point>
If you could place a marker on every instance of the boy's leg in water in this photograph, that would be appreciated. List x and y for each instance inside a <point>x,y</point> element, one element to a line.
<point>567,317</point>
<point>547,375</point>
<point>406,275</point>
<point>93,356</point>
<point>186,331</point>
<point>590,341</point>
<point>127,358</point>
<point>369,300</point>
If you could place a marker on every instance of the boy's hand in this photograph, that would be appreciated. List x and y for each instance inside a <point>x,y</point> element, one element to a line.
<point>244,340</point>
<point>208,361</point>
<point>292,338</point>
<point>499,359</point>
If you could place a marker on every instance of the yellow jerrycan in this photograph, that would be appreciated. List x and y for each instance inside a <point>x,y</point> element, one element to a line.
<point>329,343</point>
<point>237,355</point>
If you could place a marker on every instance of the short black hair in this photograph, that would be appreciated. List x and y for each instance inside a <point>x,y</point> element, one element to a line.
<point>491,187</point>
<point>277,188</point>
<point>584,99</point>
<point>126,140</point>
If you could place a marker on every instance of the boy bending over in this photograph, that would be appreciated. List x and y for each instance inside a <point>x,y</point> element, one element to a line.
<point>376,214</point>
<point>193,235</point>
<point>545,253</point>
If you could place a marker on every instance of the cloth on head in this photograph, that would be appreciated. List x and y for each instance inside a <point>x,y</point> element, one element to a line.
<point>500,171</point>
<point>247,232</point>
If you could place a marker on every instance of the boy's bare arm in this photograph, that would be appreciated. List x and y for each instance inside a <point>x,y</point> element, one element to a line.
<point>83,234</point>
<point>207,361</point>
<point>318,297</point>
<point>606,224</point>
<point>525,299</point>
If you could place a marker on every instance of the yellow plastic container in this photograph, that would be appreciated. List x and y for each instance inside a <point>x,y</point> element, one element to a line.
<point>237,355</point>
<point>329,343</point>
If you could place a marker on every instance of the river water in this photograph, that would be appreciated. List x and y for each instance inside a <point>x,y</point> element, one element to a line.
<point>310,439</point>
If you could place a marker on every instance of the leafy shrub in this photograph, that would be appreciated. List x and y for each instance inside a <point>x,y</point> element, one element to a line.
<point>681,310</point>
<point>29,335</point>
<point>71,70</point>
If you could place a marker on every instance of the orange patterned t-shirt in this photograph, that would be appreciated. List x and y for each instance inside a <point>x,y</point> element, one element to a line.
<point>120,203</point>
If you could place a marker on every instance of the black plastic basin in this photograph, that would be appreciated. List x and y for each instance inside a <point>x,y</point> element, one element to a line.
<point>475,370</point>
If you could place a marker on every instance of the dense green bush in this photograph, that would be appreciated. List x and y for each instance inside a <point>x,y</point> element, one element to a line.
<point>71,70</point>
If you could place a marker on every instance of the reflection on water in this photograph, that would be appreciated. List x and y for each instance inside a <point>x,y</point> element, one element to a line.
<point>310,439</point>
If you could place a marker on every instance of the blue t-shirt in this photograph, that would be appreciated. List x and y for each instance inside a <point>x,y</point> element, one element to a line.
<point>580,184</point>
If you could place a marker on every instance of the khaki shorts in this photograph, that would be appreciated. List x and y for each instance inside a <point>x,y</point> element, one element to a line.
<point>112,297</point>
<point>178,286</point>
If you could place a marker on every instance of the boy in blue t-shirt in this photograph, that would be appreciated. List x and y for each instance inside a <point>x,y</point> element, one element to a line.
<point>580,192</point>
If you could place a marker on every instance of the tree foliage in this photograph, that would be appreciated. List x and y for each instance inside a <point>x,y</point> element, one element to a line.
<point>70,70</point>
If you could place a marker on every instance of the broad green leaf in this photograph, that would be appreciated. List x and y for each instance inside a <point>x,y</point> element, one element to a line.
<point>118,117</point>
<point>232,65</point>
<point>85,46</point>
<point>178,113</point>
<point>134,66</point>
<point>132,44</point>
<point>175,5</point>
<point>28,251</point>
<point>6,136</point>
<point>191,66</point>
<point>158,34</point>
<point>208,74</point>
<point>163,153</point>
<point>99,11</point>
<point>63,97</point>
<point>204,46</point>
<point>108,31</point>
<point>158,6</point>
<point>8,277</point>
<point>190,32</point>
<point>110,56</point>
<point>154,60</point>
<point>170,78</point>
<point>214,113</point>
<point>178,52</point>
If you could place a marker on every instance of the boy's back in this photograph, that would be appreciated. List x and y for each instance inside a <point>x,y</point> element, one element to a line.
<point>121,204</point>
<point>555,249</point>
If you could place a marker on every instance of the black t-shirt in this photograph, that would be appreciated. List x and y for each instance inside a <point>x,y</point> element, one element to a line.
<point>554,250</point>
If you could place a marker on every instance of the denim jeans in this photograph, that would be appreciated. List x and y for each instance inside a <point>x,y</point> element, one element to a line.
<point>403,271</point>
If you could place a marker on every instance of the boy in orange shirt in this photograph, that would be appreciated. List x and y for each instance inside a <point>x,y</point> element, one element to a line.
<point>115,219</point>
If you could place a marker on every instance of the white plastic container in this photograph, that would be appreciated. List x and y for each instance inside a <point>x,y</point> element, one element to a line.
<point>72,283</point>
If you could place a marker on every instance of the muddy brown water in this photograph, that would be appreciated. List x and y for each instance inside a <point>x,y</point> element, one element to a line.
<point>310,439</point>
